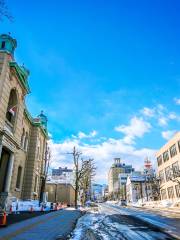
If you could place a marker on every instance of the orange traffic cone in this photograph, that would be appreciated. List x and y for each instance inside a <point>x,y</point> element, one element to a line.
<point>3,219</point>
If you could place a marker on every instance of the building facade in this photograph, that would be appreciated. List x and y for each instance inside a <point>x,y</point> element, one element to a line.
<point>60,192</point>
<point>138,188</point>
<point>23,139</point>
<point>168,161</point>
<point>63,175</point>
<point>96,192</point>
<point>113,175</point>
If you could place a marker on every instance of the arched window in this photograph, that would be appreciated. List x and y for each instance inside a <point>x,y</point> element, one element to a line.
<point>26,142</point>
<point>22,138</point>
<point>12,107</point>
<point>18,181</point>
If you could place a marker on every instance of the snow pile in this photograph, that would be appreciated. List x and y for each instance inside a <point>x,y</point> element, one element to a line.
<point>31,205</point>
<point>175,203</point>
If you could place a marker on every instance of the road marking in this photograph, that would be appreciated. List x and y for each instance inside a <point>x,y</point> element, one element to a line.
<point>24,229</point>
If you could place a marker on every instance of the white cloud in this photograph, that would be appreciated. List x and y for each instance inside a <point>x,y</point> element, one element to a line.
<point>177,101</point>
<point>103,154</point>
<point>163,121</point>
<point>82,135</point>
<point>148,112</point>
<point>168,134</point>
<point>137,128</point>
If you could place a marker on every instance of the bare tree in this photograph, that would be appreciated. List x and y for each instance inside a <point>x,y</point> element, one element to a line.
<point>4,11</point>
<point>76,156</point>
<point>84,172</point>
<point>86,175</point>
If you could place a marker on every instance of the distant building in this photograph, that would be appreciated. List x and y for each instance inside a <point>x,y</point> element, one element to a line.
<point>168,161</point>
<point>138,188</point>
<point>63,175</point>
<point>113,175</point>
<point>122,184</point>
<point>60,171</point>
<point>96,192</point>
<point>105,191</point>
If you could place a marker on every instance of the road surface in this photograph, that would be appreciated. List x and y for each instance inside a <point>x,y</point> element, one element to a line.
<point>121,223</point>
<point>54,225</point>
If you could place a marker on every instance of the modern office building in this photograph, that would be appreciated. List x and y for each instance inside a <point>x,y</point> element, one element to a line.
<point>168,161</point>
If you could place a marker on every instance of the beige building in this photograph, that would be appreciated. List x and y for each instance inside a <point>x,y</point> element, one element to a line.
<point>113,176</point>
<point>23,139</point>
<point>60,192</point>
<point>168,160</point>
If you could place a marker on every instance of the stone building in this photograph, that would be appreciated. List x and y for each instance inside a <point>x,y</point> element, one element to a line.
<point>168,161</point>
<point>23,139</point>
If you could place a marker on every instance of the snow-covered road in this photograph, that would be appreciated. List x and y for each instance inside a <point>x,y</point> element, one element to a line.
<point>114,222</point>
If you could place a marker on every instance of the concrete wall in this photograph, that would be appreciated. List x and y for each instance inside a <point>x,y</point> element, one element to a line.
<point>62,193</point>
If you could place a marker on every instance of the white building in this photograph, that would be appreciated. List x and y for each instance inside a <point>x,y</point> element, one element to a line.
<point>122,184</point>
<point>62,175</point>
<point>137,187</point>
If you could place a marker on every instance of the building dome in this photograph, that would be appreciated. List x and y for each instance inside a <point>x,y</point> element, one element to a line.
<point>43,119</point>
<point>7,44</point>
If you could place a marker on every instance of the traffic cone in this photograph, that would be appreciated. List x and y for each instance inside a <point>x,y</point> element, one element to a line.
<point>3,219</point>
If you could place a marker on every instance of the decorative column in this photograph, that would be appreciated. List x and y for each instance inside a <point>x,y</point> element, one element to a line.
<point>9,173</point>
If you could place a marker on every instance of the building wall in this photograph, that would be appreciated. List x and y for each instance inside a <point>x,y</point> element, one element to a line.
<point>24,155</point>
<point>60,193</point>
<point>163,165</point>
<point>136,190</point>
<point>113,179</point>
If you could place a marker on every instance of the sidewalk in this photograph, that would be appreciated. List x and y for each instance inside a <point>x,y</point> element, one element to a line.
<point>55,225</point>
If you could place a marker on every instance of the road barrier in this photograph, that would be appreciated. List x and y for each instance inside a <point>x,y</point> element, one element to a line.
<point>3,219</point>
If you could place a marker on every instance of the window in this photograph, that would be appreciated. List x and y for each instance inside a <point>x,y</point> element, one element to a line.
<point>170,192</point>
<point>165,156</point>
<point>177,187</point>
<point>159,160</point>
<point>22,138</point>
<point>12,107</point>
<point>173,151</point>
<point>175,169</point>
<point>161,176</point>
<point>26,142</point>
<point>35,184</point>
<point>163,194</point>
<point>168,173</point>
<point>18,181</point>
<point>179,145</point>
<point>3,44</point>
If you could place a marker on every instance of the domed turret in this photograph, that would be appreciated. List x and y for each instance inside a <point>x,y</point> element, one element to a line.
<point>7,44</point>
<point>43,119</point>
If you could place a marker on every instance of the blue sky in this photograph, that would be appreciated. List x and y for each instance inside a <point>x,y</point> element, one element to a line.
<point>98,67</point>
